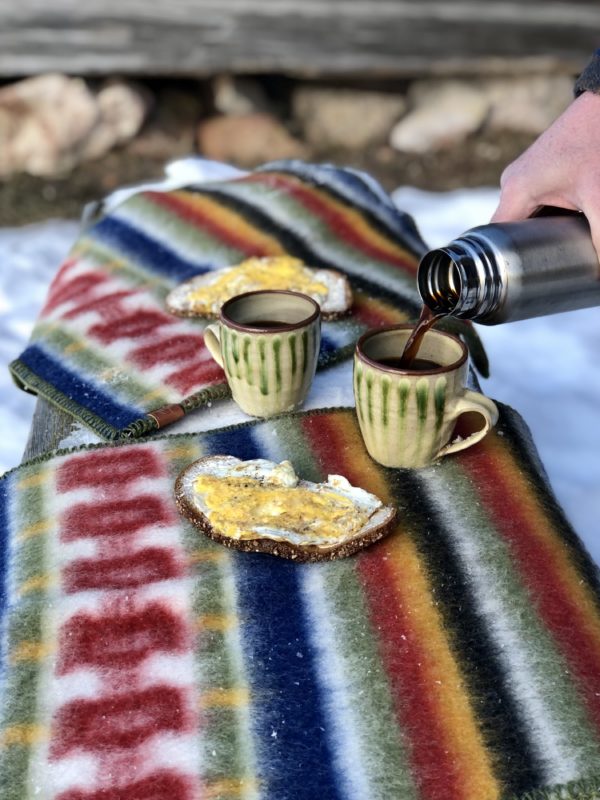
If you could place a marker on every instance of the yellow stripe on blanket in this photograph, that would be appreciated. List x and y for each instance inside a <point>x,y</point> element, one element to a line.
<point>37,529</point>
<point>31,651</point>
<point>38,583</point>
<point>221,698</point>
<point>217,622</point>
<point>33,481</point>
<point>231,788</point>
<point>23,735</point>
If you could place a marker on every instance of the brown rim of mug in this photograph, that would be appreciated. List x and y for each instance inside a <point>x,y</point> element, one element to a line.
<point>231,323</point>
<point>396,370</point>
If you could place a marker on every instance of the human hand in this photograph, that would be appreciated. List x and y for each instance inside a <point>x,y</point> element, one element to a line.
<point>561,168</point>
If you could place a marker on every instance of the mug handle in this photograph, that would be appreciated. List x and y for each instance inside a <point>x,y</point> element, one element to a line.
<point>472,401</point>
<point>212,340</point>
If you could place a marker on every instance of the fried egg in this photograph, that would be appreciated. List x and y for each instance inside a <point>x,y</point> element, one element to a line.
<point>204,295</point>
<point>259,500</point>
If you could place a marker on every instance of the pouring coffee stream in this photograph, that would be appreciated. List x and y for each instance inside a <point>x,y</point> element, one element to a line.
<point>408,359</point>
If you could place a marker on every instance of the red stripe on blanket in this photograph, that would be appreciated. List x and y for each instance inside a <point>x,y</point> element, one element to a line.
<point>115,517</point>
<point>200,374</point>
<point>402,652</point>
<point>108,306</point>
<point>130,325</point>
<point>120,639</point>
<point>149,565</point>
<point>160,786</point>
<point>341,219</point>
<point>78,288</point>
<point>108,468</point>
<point>170,350</point>
<point>542,560</point>
<point>404,656</point>
<point>121,720</point>
<point>218,228</point>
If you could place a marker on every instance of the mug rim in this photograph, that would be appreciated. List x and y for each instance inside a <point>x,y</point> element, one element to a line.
<point>231,323</point>
<point>360,354</point>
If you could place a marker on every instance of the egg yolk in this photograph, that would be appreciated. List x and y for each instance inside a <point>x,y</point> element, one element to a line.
<point>239,506</point>
<point>279,272</point>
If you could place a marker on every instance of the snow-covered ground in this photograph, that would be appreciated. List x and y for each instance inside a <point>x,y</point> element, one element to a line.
<point>547,368</point>
<point>29,257</point>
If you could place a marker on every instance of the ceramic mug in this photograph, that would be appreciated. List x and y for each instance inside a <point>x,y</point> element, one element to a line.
<point>407,417</point>
<point>267,343</point>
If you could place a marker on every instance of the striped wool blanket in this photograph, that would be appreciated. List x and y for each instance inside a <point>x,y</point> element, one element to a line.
<point>105,348</point>
<point>457,659</point>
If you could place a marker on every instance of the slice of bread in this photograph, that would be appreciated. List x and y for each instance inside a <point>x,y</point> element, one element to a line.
<point>204,295</point>
<point>261,506</point>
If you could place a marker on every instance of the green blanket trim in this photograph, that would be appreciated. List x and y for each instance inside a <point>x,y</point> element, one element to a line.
<point>65,451</point>
<point>30,382</point>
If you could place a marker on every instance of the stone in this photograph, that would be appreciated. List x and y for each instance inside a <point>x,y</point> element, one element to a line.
<point>350,119</point>
<point>527,104</point>
<point>43,120</point>
<point>443,114</point>
<point>50,123</point>
<point>247,140</point>
<point>236,96</point>
<point>122,111</point>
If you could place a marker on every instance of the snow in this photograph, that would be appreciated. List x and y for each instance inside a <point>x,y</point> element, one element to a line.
<point>546,368</point>
<point>29,257</point>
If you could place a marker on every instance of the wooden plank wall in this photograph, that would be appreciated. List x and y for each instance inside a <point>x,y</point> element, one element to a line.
<point>369,38</point>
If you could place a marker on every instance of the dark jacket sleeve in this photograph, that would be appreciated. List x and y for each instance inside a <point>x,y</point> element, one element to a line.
<point>589,80</point>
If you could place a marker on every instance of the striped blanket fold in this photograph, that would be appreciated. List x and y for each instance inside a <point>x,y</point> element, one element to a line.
<point>457,659</point>
<point>106,350</point>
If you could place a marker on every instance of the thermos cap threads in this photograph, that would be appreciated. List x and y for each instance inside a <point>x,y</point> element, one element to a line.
<point>515,270</point>
<point>463,279</point>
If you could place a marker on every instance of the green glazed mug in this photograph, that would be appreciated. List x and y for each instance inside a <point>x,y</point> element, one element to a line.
<point>268,344</point>
<point>407,416</point>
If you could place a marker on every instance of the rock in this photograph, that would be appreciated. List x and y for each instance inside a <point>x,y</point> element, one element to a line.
<point>122,110</point>
<point>235,96</point>
<point>50,123</point>
<point>247,140</point>
<point>346,118</point>
<point>444,113</point>
<point>527,104</point>
<point>43,120</point>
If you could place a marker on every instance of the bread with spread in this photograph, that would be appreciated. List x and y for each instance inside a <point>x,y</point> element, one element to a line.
<point>261,506</point>
<point>203,295</point>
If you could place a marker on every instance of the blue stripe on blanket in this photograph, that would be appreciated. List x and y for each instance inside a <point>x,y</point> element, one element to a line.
<point>288,717</point>
<point>73,386</point>
<point>234,441</point>
<point>140,248</point>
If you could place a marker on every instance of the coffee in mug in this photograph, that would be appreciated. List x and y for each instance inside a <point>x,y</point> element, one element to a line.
<point>407,415</point>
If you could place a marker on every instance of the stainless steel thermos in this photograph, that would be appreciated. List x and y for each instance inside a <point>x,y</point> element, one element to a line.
<point>508,271</point>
